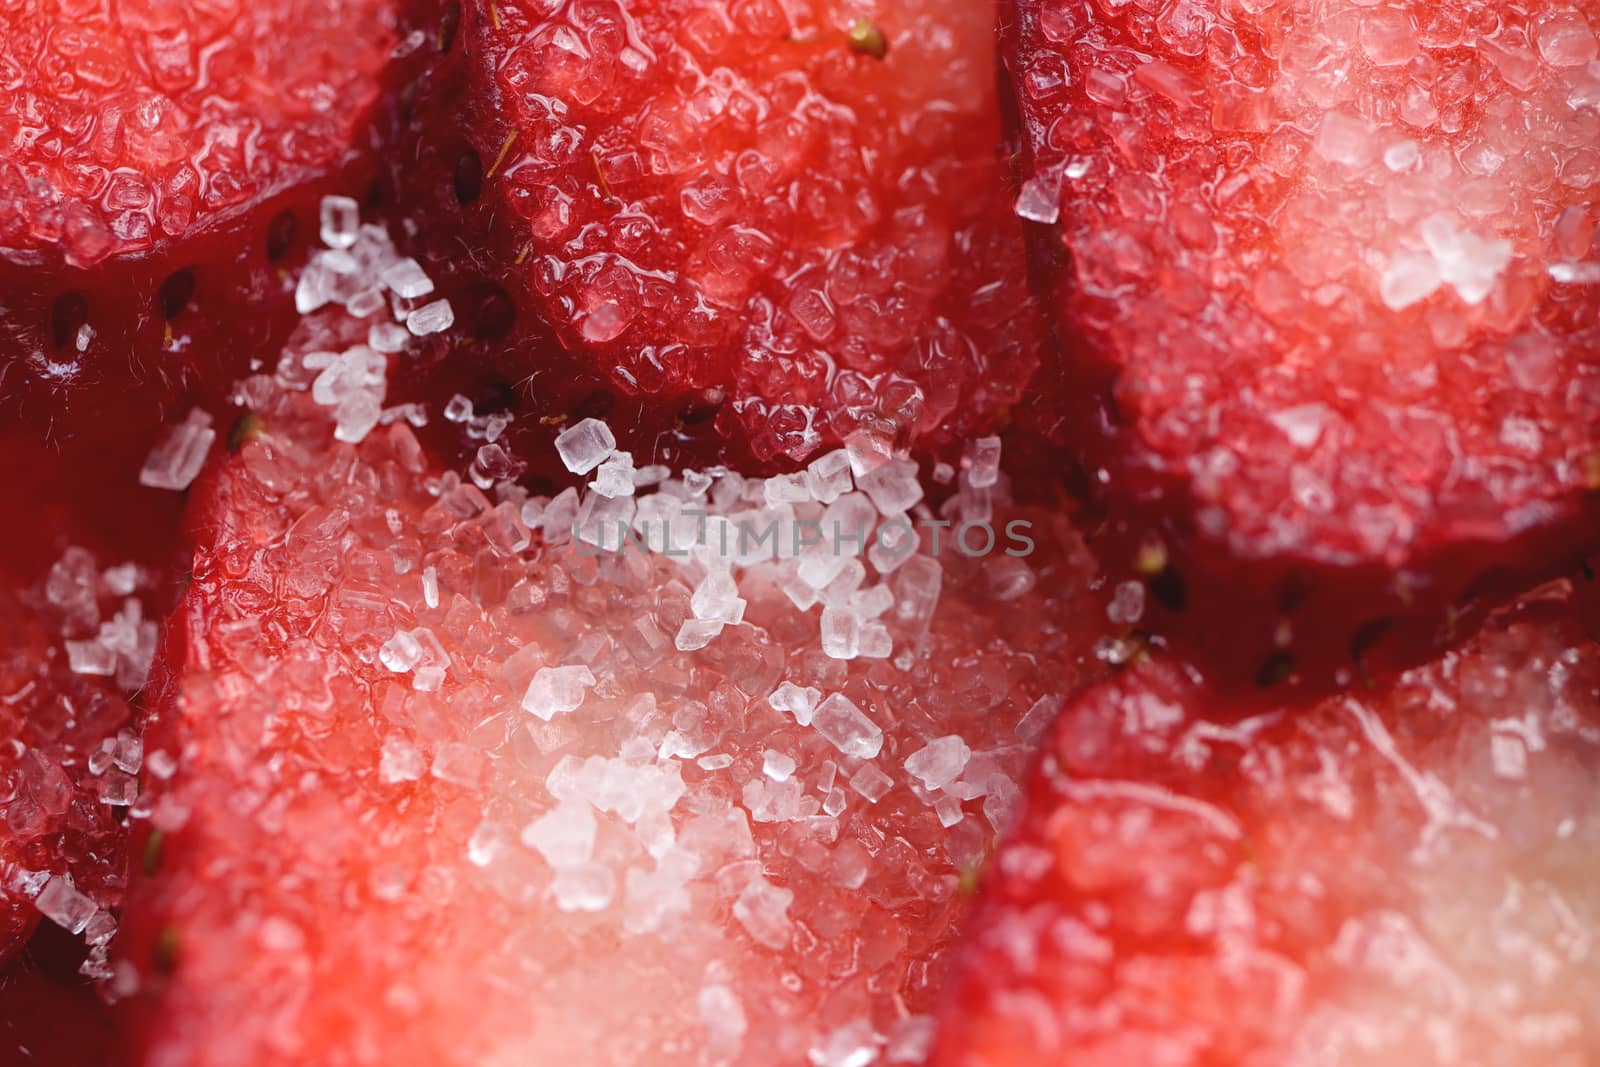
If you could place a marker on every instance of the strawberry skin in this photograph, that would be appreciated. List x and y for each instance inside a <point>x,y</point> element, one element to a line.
<point>161,168</point>
<point>358,856</point>
<point>43,1020</point>
<point>1399,873</point>
<point>1323,276</point>
<point>744,227</point>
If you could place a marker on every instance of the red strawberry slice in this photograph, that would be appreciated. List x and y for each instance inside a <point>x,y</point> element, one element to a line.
<point>429,786</point>
<point>162,168</point>
<point>1325,276</point>
<point>1396,875</point>
<point>786,222</point>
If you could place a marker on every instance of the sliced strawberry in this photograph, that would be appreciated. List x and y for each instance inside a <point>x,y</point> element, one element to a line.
<point>162,167</point>
<point>1397,875</point>
<point>1325,276</point>
<point>426,786</point>
<point>789,222</point>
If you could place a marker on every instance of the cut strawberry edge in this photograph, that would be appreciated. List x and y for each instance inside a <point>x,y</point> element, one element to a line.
<point>194,914</point>
<point>1294,623</point>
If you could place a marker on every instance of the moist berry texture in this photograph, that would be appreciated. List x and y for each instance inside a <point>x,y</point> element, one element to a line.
<point>791,220</point>
<point>1326,279</point>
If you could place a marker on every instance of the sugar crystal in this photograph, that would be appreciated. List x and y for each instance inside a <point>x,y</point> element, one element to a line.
<point>870,781</point>
<point>407,279</point>
<point>179,453</point>
<point>939,762</point>
<point>399,761</point>
<point>585,445</point>
<point>777,765</point>
<point>695,634</point>
<point>1043,712</point>
<point>557,690</point>
<point>723,1016</point>
<point>401,652</point>
<point>564,835</point>
<point>614,476</point>
<point>1469,263</point>
<point>801,702</point>
<point>341,221</point>
<point>893,486</point>
<point>1127,604</point>
<point>459,764</point>
<point>983,462</point>
<point>841,633</point>
<point>852,1045</point>
<point>828,476</point>
<point>867,452</point>
<point>847,728</point>
<point>716,599</point>
<point>431,318</point>
<point>763,910</point>
<point>91,657</point>
<point>128,752</point>
<point>910,1039</point>
<point>587,887</point>
<point>61,903</point>
<point>786,489</point>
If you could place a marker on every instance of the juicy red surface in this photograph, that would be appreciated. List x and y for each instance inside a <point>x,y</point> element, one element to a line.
<point>160,170</point>
<point>1237,201</point>
<point>728,215</point>
<point>1368,879</point>
<point>735,235</point>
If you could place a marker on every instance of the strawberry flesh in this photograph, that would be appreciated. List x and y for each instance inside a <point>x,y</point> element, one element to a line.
<point>1325,281</point>
<point>1396,875</point>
